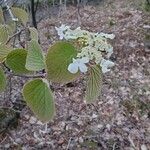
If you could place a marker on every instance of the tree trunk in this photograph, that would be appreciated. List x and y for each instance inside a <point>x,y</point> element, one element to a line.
<point>148,2</point>
<point>33,13</point>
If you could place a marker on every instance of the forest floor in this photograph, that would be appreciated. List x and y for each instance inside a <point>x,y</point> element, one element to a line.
<point>120,118</point>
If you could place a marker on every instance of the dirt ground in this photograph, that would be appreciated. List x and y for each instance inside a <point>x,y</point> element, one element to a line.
<point>120,119</point>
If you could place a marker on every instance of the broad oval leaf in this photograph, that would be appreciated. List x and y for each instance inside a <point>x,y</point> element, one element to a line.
<point>35,59</point>
<point>57,61</point>
<point>16,61</point>
<point>94,84</point>
<point>3,34</point>
<point>40,99</point>
<point>21,14</point>
<point>2,80</point>
<point>4,51</point>
<point>33,34</point>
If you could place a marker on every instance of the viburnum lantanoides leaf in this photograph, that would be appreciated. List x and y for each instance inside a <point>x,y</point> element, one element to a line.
<point>16,61</point>
<point>39,98</point>
<point>35,59</point>
<point>59,57</point>
<point>3,34</point>
<point>94,84</point>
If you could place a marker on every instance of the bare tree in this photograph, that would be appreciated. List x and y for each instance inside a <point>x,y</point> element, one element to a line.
<point>148,2</point>
<point>33,13</point>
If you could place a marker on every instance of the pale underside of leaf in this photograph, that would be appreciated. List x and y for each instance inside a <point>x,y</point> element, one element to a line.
<point>94,84</point>
<point>2,80</point>
<point>40,99</point>
<point>3,34</point>
<point>35,59</point>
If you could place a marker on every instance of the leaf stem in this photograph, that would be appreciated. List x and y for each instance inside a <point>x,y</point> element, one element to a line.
<point>28,76</point>
<point>24,76</point>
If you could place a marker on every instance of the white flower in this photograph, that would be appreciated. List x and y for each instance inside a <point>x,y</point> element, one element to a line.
<point>61,31</point>
<point>105,64</point>
<point>78,64</point>
<point>109,36</point>
<point>110,52</point>
<point>74,34</point>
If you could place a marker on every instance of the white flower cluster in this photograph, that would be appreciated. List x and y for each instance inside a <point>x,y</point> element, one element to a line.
<point>93,46</point>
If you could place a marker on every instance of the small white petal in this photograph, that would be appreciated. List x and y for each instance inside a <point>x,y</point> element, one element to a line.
<point>102,34</point>
<point>104,69</point>
<point>78,28</point>
<point>74,60</point>
<point>61,30</point>
<point>84,60</point>
<point>64,27</point>
<point>73,68</point>
<point>110,36</point>
<point>83,68</point>
<point>109,54</point>
<point>105,64</point>
<point>61,36</point>
<point>109,50</point>
<point>109,63</point>
<point>56,28</point>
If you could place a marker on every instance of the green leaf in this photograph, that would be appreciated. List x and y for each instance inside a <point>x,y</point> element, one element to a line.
<point>16,60</point>
<point>57,61</point>
<point>4,51</point>
<point>2,80</point>
<point>35,59</point>
<point>1,17</point>
<point>33,33</point>
<point>40,99</point>
<point>3,34</point>
<point>21,14</point>
<point>11,27</point>
<point>94,84</point>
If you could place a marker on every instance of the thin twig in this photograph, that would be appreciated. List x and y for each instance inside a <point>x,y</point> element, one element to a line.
<point>78,13</point>
<point>14,42</point>
<point>10,87</point>
<point>24,76</point>
<point>3,139</point>
<point>69,142</point>
<point>36,7</point>
<point>14,35</point>
<point>114,145</point>
<point>27,76</point>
